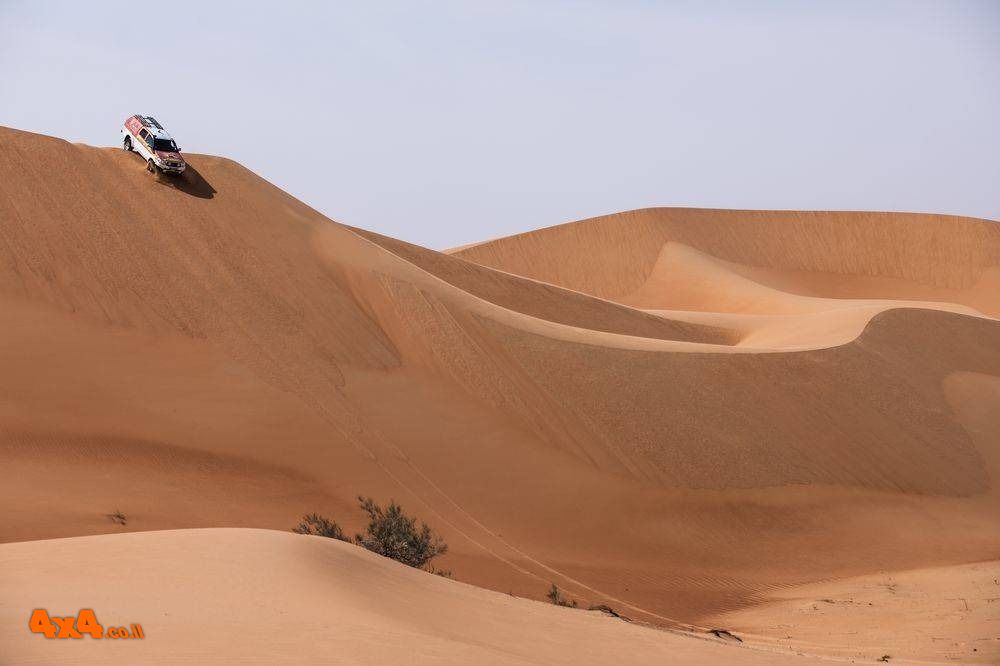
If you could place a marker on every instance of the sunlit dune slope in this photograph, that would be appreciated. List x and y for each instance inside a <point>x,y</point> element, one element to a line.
<point>677,413</point>
<point>276,598</point>
<point>625,256</point>
<point>546,301</point>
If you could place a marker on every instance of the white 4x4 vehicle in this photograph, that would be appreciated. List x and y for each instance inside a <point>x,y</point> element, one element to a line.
<point>148,138</point>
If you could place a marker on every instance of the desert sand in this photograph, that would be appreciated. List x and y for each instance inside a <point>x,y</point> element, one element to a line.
<point>701,418</point>
<point>267,597</point>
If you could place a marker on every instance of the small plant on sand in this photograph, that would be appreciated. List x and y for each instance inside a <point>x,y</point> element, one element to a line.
<point>319,526</point>
<point>393,534</point>
<point>118,517</point>
<point>556,597</point>
<point>444,573</point>
<point>390,533</point>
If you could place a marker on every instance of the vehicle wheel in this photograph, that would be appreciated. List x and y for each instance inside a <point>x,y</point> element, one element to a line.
<point>128,144</point>
<point>150,166</point>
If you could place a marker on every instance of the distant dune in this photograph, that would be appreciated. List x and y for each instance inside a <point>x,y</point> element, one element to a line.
<point>701,418</point>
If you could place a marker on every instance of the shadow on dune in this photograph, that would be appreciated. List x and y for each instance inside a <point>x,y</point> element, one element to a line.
<point>190,182</point>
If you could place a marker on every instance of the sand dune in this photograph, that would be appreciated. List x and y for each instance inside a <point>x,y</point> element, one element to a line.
<point>263,597</point>
<point>826,254</point>
<point>679,413</point>
<point>949,615</point>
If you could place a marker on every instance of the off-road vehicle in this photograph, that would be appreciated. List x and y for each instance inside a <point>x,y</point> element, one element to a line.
<point>147,137</point>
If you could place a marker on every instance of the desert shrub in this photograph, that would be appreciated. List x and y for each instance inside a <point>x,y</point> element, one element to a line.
<point>444,573</point>
<point>392,533</point>
<point>319,526</point>
<point>556,597</point>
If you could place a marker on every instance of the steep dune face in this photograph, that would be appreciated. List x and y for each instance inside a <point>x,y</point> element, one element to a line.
<point>547,302</point>
<point>672,412</point>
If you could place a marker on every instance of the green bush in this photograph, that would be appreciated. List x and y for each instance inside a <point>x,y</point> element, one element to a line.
<point>394,534</point>
<point>390,533</point>
<point>319,526</point>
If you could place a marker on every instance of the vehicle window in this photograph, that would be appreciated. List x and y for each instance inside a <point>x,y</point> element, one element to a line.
<point>165,144</point>
<point>143,134</point>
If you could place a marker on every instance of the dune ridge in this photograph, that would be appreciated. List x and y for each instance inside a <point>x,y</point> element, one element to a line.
<point>612,255</point>
<point>677,412</point>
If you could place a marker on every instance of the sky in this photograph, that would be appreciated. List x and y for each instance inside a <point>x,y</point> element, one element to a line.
<point>444,123</point>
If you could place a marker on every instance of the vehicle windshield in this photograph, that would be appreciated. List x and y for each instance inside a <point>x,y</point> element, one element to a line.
<point>167,145</point>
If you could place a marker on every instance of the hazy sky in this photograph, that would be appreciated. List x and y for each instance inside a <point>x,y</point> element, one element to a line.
<point>448,122</point>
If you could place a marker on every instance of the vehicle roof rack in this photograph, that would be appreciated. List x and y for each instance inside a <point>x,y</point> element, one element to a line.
<point>152,121</point>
